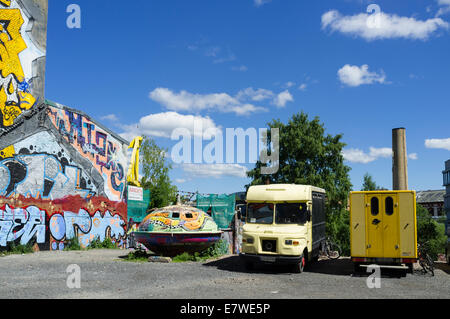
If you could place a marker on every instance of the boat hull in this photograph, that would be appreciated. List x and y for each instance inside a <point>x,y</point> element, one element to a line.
<point>173,244</point>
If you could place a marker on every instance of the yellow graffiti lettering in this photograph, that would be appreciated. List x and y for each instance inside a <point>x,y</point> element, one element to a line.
<point>12,100</point>
<point>7,152</point>
<point>6,3</point>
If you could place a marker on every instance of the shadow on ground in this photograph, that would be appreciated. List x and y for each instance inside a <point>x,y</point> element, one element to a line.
<point>339,267</point>
<point>443,266</point>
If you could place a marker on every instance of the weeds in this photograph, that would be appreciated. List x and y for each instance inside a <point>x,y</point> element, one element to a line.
<point>72,244</point>
<point>218,249</point>
<point>137,256</point>
<point>13,249</point>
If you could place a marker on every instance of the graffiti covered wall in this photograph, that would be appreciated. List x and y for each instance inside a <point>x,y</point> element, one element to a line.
<point>107,153</point>
<point>51,223</point>
<point>62,175</point>
<point>23,27</point>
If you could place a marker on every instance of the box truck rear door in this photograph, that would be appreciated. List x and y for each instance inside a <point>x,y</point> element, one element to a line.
<point>374,224</point>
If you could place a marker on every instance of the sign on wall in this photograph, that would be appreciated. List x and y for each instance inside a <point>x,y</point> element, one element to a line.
<point>135,193</point>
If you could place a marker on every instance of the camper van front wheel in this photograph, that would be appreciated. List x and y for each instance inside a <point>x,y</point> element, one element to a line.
<point>298,268</point>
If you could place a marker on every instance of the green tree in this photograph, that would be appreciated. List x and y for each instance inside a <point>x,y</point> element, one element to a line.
<point>430,232</point>
<point>308,156</point>
<point>369,184</point>
<point>155,174</point>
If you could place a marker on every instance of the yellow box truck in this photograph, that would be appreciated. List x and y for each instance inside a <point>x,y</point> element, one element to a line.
<point>383,229</point>
<point>285,224</point>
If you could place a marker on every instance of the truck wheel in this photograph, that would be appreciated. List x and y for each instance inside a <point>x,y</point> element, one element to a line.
<point>298,268</point>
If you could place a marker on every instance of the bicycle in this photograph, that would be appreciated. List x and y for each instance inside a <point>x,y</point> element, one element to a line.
<point>425,261</point>
<point>330,249</point>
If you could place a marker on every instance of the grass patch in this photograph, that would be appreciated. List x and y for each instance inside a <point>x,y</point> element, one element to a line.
<point>105,244</point>
<point>137,256</point>
<point>13,249</point>
<point>218,249</point>
<point>74,244</point>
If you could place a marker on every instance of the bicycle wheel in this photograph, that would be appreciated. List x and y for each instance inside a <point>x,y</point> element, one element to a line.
<point>333,251</point>
<point>430,264</point>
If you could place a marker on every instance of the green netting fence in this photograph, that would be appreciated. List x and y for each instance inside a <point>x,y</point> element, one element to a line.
<point>137,209</point>
<point>221,208</point>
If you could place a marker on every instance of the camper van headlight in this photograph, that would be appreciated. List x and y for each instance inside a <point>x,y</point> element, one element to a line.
<point>291,242</point>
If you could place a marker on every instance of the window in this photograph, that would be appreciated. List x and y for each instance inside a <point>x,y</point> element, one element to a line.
<point>389,205</point>
<point>292,213</point>
<point>447,178</point>
<point>260,213</point>
<point>188,215</point>
<point>175,215</point>
<point>374,206</point>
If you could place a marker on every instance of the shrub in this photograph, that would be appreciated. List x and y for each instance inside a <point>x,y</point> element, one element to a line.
<point>72,244</point>
<point>430,232</point>
<point>220,248</point>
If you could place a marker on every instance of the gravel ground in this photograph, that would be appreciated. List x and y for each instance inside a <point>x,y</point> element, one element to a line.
<point>104,274</point>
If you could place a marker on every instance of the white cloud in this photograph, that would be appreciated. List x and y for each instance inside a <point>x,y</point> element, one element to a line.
<point>255,95</point>
<point>289,84</point>
<point>353,75</point>
<point>241,68</point>
<point>163,124</point>
<point>259,3</point>
<point>215,170</point>
<point>110,117</point>
<point>382,26</point>
<point>444,9</point>
<point>283,98</point>
<point>355,155</point>
<point>438,143</point>
<point>185,101</point>
<point>303,87</point>
<point>180,180</point>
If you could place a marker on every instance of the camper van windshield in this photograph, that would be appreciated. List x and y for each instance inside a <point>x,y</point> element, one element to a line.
<point>292,213</point>
<point>260,213</point>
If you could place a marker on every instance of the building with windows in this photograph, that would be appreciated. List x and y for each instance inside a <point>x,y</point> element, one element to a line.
<point>446,175</point>
<point>433,200</point>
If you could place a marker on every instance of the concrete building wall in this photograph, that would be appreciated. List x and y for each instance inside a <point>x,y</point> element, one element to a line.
<point>23,35</point>
<point>62,175</point>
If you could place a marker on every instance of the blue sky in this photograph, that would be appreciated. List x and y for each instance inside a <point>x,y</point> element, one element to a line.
<point>151,66</point>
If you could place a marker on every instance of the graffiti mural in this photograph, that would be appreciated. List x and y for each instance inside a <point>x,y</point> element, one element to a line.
<point>107,154</point>
<point>53,223</point>
<point>38,167</point>
<point>17,52</point>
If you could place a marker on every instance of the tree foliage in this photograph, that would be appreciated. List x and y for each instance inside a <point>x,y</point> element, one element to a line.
<point>155,174</point>
<point>430,232</point>
<point>308,156</point>
<point>369,184</point>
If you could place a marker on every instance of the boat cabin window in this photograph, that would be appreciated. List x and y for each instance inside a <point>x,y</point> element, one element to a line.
<point>188,215</point>
<point>175,215</point>
<point>260,213</point>
<point>291,213</point>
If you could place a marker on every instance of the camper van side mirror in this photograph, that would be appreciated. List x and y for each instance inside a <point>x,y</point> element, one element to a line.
<point>308,215</point>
